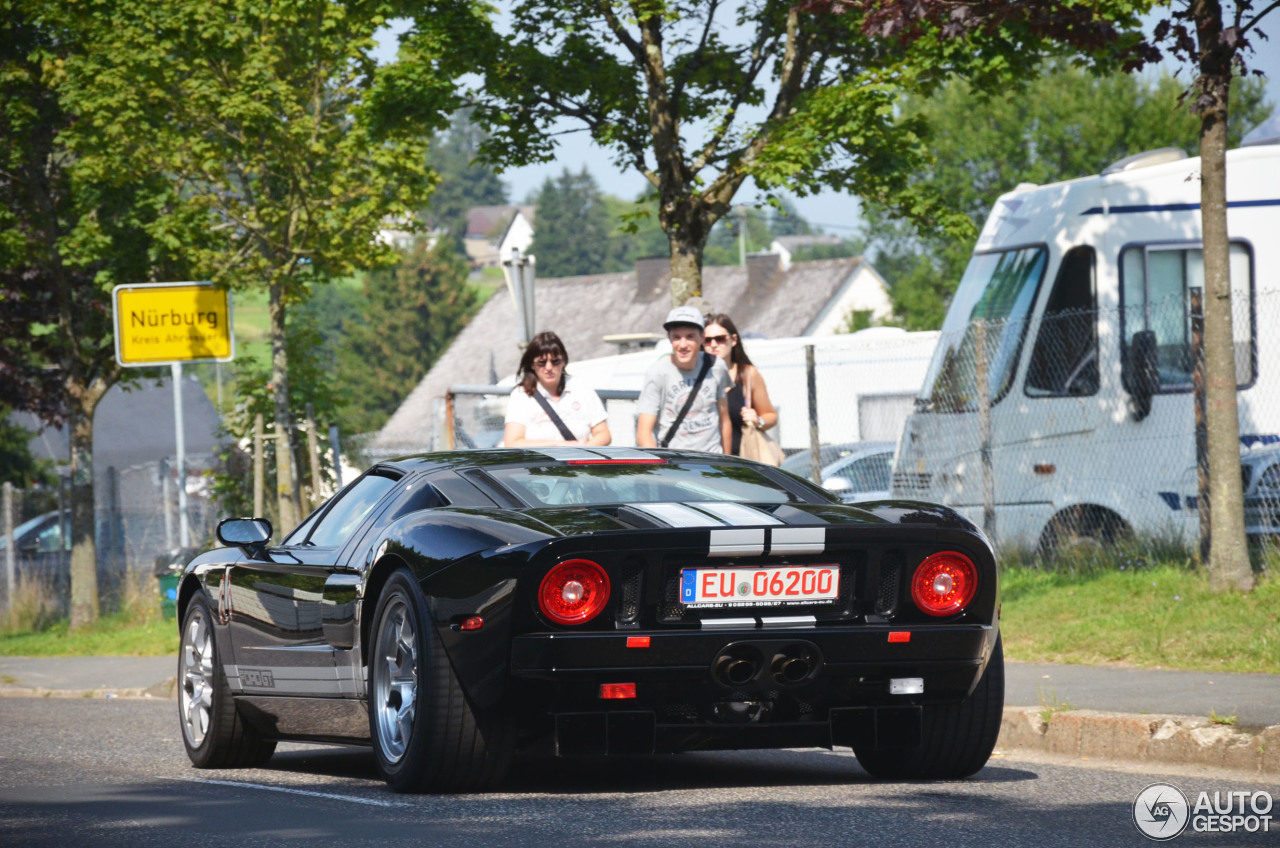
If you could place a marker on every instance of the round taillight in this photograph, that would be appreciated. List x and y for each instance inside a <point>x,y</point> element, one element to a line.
<point>574,592</point>
<point>944,583</point>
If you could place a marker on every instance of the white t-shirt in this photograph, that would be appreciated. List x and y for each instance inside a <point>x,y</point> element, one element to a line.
<point>667,387</point>
<point>579,408</point>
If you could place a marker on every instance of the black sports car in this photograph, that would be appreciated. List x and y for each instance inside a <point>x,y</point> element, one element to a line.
<point>452,608</point>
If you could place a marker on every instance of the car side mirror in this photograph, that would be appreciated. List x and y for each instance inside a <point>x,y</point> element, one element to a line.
<point>249,534</point>
<point>1141,375</point>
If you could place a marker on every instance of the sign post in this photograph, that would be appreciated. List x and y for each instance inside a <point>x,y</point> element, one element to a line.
<point>169,324</point>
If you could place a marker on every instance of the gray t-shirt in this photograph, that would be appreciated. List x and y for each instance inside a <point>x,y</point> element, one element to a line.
<point>666,388</point>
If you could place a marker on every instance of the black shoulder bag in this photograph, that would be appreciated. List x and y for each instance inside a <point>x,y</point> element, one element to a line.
<point>707,362</point>
<point>555,419</point>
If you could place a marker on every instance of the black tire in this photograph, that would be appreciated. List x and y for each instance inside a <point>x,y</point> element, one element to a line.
<point>1081,533</point>
<point>426,735</point>
<point>214,733</point>
<point>956,739</point>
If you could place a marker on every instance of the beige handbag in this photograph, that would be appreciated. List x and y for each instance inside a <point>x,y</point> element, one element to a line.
<point>756,443</point>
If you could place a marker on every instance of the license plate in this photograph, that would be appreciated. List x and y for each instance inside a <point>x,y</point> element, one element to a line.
<point>759,586</point>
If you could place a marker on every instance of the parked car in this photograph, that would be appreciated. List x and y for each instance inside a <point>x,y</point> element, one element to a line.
<point>855,471</point>
<point>801,462</point>
<point>863,474</point>
<point>1261,471</point>
<point>449,609</point>
<point>40,541</point>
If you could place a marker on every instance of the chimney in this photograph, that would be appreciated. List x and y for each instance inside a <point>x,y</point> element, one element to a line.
<point>653,275</point>
<point>762,270</point>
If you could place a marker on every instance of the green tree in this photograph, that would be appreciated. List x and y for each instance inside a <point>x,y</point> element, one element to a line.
<point>256,112</point>
<point>1217,43</point>
<point>411,313</point>
<point>17,465</point>
<point>636,231</point>
<point>465,182</point>
<point>700,97</point>
<point>311,385</point>
<point>68,234</point>
<point>573,232</point>
<point>1066,123</point>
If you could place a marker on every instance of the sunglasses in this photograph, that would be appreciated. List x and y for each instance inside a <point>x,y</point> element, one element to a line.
<point>719,340</point>
<point>548,362</point>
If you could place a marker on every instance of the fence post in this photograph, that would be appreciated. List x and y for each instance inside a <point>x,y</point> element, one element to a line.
<point>179,432</point>
<point>10,552</point>
<point>984,430</point>
<point>313,455</point>
<point>815,451</point>
<point>166,497</point>
<point>337,455</point>
<point>448,421</point>
<point>1198,383</point>
<point>259,469</point>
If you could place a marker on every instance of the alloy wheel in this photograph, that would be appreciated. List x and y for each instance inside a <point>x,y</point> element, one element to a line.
<point>396,679</point>
<point>197,678</point>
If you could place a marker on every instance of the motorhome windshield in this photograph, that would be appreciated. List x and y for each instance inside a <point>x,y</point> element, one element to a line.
<point>992,303</point>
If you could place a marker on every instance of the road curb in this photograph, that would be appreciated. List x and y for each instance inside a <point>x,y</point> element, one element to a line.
<point>164,690</point>
<point>1156,739</point>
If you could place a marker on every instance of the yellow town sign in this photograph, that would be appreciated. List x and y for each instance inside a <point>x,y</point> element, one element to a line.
<point>163,323</point>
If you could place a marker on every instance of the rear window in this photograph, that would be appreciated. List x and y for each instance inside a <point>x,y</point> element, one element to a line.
<point>558,485</point>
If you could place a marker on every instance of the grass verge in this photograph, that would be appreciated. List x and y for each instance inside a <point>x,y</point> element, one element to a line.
<point>1147,616</point>
<point>114,635</point>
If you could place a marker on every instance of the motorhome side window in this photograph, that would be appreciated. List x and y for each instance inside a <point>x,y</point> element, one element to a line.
<point>1064,361</point>
<point>984,329</point>
<point>1156,281</point>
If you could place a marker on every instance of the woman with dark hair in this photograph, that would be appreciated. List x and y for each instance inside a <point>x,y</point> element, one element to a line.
<point>546,407</point>
<point>721,338</point>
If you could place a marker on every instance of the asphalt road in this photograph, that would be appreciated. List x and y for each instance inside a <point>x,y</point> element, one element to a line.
<point>88,772</point>
<point>1253,698</point>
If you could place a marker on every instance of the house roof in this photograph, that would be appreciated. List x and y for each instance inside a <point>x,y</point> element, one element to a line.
<point>136,426</point>
<point>762,298</point>
<point>492,221</point>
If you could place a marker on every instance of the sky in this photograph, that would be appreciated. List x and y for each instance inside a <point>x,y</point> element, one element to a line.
<point>832,212</point>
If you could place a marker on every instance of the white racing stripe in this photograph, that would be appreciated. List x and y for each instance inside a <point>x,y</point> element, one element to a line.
<point>728,543</point>
<point>736,514</point>
<point>333,796</point>
<point>677,515</point>
<point>797,540</point>
<point>564,454</point>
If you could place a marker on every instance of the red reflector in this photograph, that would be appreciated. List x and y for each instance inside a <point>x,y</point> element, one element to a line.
<point>637,641</point>
<point>617,691</point>
<point>900,636</point>
<point>473,622</point>
<point>648,461</point>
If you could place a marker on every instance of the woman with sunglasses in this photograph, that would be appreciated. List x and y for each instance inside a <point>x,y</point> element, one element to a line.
<point>547,408</point>
<point>721,338</point>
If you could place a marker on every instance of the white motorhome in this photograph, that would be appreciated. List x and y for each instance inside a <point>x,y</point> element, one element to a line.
<point>866,383</point>
<point>1075,291</point>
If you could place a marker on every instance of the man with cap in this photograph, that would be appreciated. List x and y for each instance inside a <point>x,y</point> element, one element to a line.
<point>683,403</point>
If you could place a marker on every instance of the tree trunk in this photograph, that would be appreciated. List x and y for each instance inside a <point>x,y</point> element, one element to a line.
<point>284,429</point>
<point>84,551</point>
<point>686,269</point>
<point>1228,553</point>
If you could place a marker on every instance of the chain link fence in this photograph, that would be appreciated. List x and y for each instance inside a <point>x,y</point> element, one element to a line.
<point>136,524</point>
<point>1081,426</point>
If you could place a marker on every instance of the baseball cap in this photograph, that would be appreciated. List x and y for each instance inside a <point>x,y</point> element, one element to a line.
<point>683,315</point>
